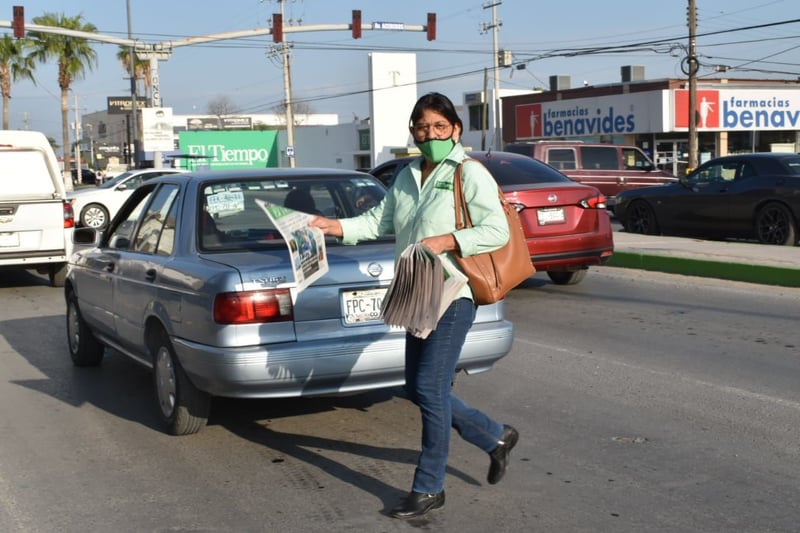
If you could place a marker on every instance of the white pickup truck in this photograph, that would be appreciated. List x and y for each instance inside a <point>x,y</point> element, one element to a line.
<point>36,219</point>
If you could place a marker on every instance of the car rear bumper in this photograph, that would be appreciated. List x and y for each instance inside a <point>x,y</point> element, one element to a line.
<point>325,367</point>
<point>32,258</point>
<point>572,260</point>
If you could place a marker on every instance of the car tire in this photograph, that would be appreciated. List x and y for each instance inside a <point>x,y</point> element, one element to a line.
<point>84,348</point>
<point>640,218</point>
<point>57,273</point>
<point>182,407</point>
<point>567,277</point>
<point>94,216</point>
<point>776,225</point>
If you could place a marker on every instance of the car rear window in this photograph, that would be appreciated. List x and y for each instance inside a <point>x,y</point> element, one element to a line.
<point>25,174</point>
<point>230,218</point>
<point>793,163</point>
<point>508,171</point>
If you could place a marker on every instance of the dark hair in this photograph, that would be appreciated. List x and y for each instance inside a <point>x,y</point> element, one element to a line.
<point>439,103</point>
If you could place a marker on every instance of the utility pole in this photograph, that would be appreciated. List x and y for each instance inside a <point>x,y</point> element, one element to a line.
<point>484,110</point>
<point>692,66</point>
<point>132,73</point>
<point>287,88</point>
<point>277,37</point>
<point>78,138</point>
<point>496,119</point>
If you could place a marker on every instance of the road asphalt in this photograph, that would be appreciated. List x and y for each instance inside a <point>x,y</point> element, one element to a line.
<point>738,261</point>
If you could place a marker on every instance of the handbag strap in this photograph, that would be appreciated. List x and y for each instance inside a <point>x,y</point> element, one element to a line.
<point>462,213</point>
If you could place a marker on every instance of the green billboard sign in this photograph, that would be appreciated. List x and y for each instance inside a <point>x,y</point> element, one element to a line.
<point>230,149</point>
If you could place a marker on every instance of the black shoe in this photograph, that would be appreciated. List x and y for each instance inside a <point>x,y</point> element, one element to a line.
<point>417,504</point>
<point>499,456</point>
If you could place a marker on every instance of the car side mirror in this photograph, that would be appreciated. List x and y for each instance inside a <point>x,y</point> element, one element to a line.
<point>85,236</point>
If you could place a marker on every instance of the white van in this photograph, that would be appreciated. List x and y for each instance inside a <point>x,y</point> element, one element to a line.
<point>36,219</point>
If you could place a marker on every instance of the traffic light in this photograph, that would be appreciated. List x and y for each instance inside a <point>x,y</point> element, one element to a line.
<point>356,24</point>
<point>431,26</point>
<point>19,22</point>
<point>277,28</point>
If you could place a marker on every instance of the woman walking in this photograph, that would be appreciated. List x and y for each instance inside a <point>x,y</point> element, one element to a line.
<point>419,207</point>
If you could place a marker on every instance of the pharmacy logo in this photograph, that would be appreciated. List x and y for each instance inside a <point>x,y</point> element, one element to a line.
<point>529,121</point>
<point>707,109</point>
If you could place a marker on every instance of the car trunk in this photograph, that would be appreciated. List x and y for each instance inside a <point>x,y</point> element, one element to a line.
<point>555,211</point>
<point>319,310</point>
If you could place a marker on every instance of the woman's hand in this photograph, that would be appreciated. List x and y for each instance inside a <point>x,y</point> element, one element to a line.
<point>329,226</point>
<point>441,243</point>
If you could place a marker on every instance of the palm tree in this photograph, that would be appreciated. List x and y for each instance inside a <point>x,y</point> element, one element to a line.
<point>141,67</point>
<point>15,65</point>
<point>74,56</point>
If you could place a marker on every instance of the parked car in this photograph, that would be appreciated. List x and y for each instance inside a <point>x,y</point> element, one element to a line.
<point>749,196</point>
<point>566,223</point>
<point>36,220</point>
<point>96,206</point>
<point>88,177</point>
<point>192,280</point>
<point>611,168</point>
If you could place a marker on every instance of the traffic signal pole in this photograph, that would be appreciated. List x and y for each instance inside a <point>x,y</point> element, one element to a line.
<point>163,50</point>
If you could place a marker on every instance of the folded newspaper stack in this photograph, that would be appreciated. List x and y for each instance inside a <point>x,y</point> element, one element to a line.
<point>423,287</point>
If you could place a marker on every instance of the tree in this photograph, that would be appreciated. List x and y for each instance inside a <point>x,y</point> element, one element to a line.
<point>300,112</point>
<point>74,56</point>
<point>15,65</point>
<point>141,67</point>
<point>221,106</point>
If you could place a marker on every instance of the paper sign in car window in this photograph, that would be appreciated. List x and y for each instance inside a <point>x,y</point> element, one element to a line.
<point>225,202</point>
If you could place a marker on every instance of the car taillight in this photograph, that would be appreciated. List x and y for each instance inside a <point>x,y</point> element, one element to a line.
<point>253,307</point>
<point>593,202</point>
<point>69,216</point>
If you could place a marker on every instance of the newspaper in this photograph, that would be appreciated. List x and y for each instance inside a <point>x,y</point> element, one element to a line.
<point>306,245</point>
<point>422,289</point>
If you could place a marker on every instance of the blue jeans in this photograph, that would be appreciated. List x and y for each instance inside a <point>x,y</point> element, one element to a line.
<point>430,370</point>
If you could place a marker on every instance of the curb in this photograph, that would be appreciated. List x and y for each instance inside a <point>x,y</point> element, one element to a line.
<point>765,275</point>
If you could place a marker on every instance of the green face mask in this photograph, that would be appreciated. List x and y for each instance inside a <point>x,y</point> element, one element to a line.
<point>436,150</point>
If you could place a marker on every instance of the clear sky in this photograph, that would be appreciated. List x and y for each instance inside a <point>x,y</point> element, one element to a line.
<point>329,69</point>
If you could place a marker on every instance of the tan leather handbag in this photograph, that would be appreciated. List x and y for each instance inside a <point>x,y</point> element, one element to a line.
<point>491,275</point>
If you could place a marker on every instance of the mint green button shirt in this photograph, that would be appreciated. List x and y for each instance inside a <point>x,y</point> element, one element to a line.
<point>413,211</point>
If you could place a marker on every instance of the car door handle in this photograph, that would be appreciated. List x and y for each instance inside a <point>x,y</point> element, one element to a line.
<point>150,275</point>
<point>109,266</point>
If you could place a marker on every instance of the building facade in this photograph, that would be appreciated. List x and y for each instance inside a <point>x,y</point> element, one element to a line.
<point>732,116</point>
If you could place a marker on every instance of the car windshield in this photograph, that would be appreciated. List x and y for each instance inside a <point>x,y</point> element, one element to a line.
<point>229,217</point>
<point>509,171</point>
<point>116,180</point>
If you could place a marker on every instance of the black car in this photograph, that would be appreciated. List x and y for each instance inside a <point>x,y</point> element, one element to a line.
<point>88,177</point>
<point>748,196</point>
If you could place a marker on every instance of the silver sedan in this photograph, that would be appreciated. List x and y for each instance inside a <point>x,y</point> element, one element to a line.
<point>193,280</point>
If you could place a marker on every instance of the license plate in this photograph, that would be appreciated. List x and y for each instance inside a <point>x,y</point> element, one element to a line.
<point>362,307</point>
<point>554,215</point>
<point>8,240</point>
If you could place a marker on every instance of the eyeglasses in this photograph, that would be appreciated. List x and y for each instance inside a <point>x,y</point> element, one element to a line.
<point>439,128</point>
